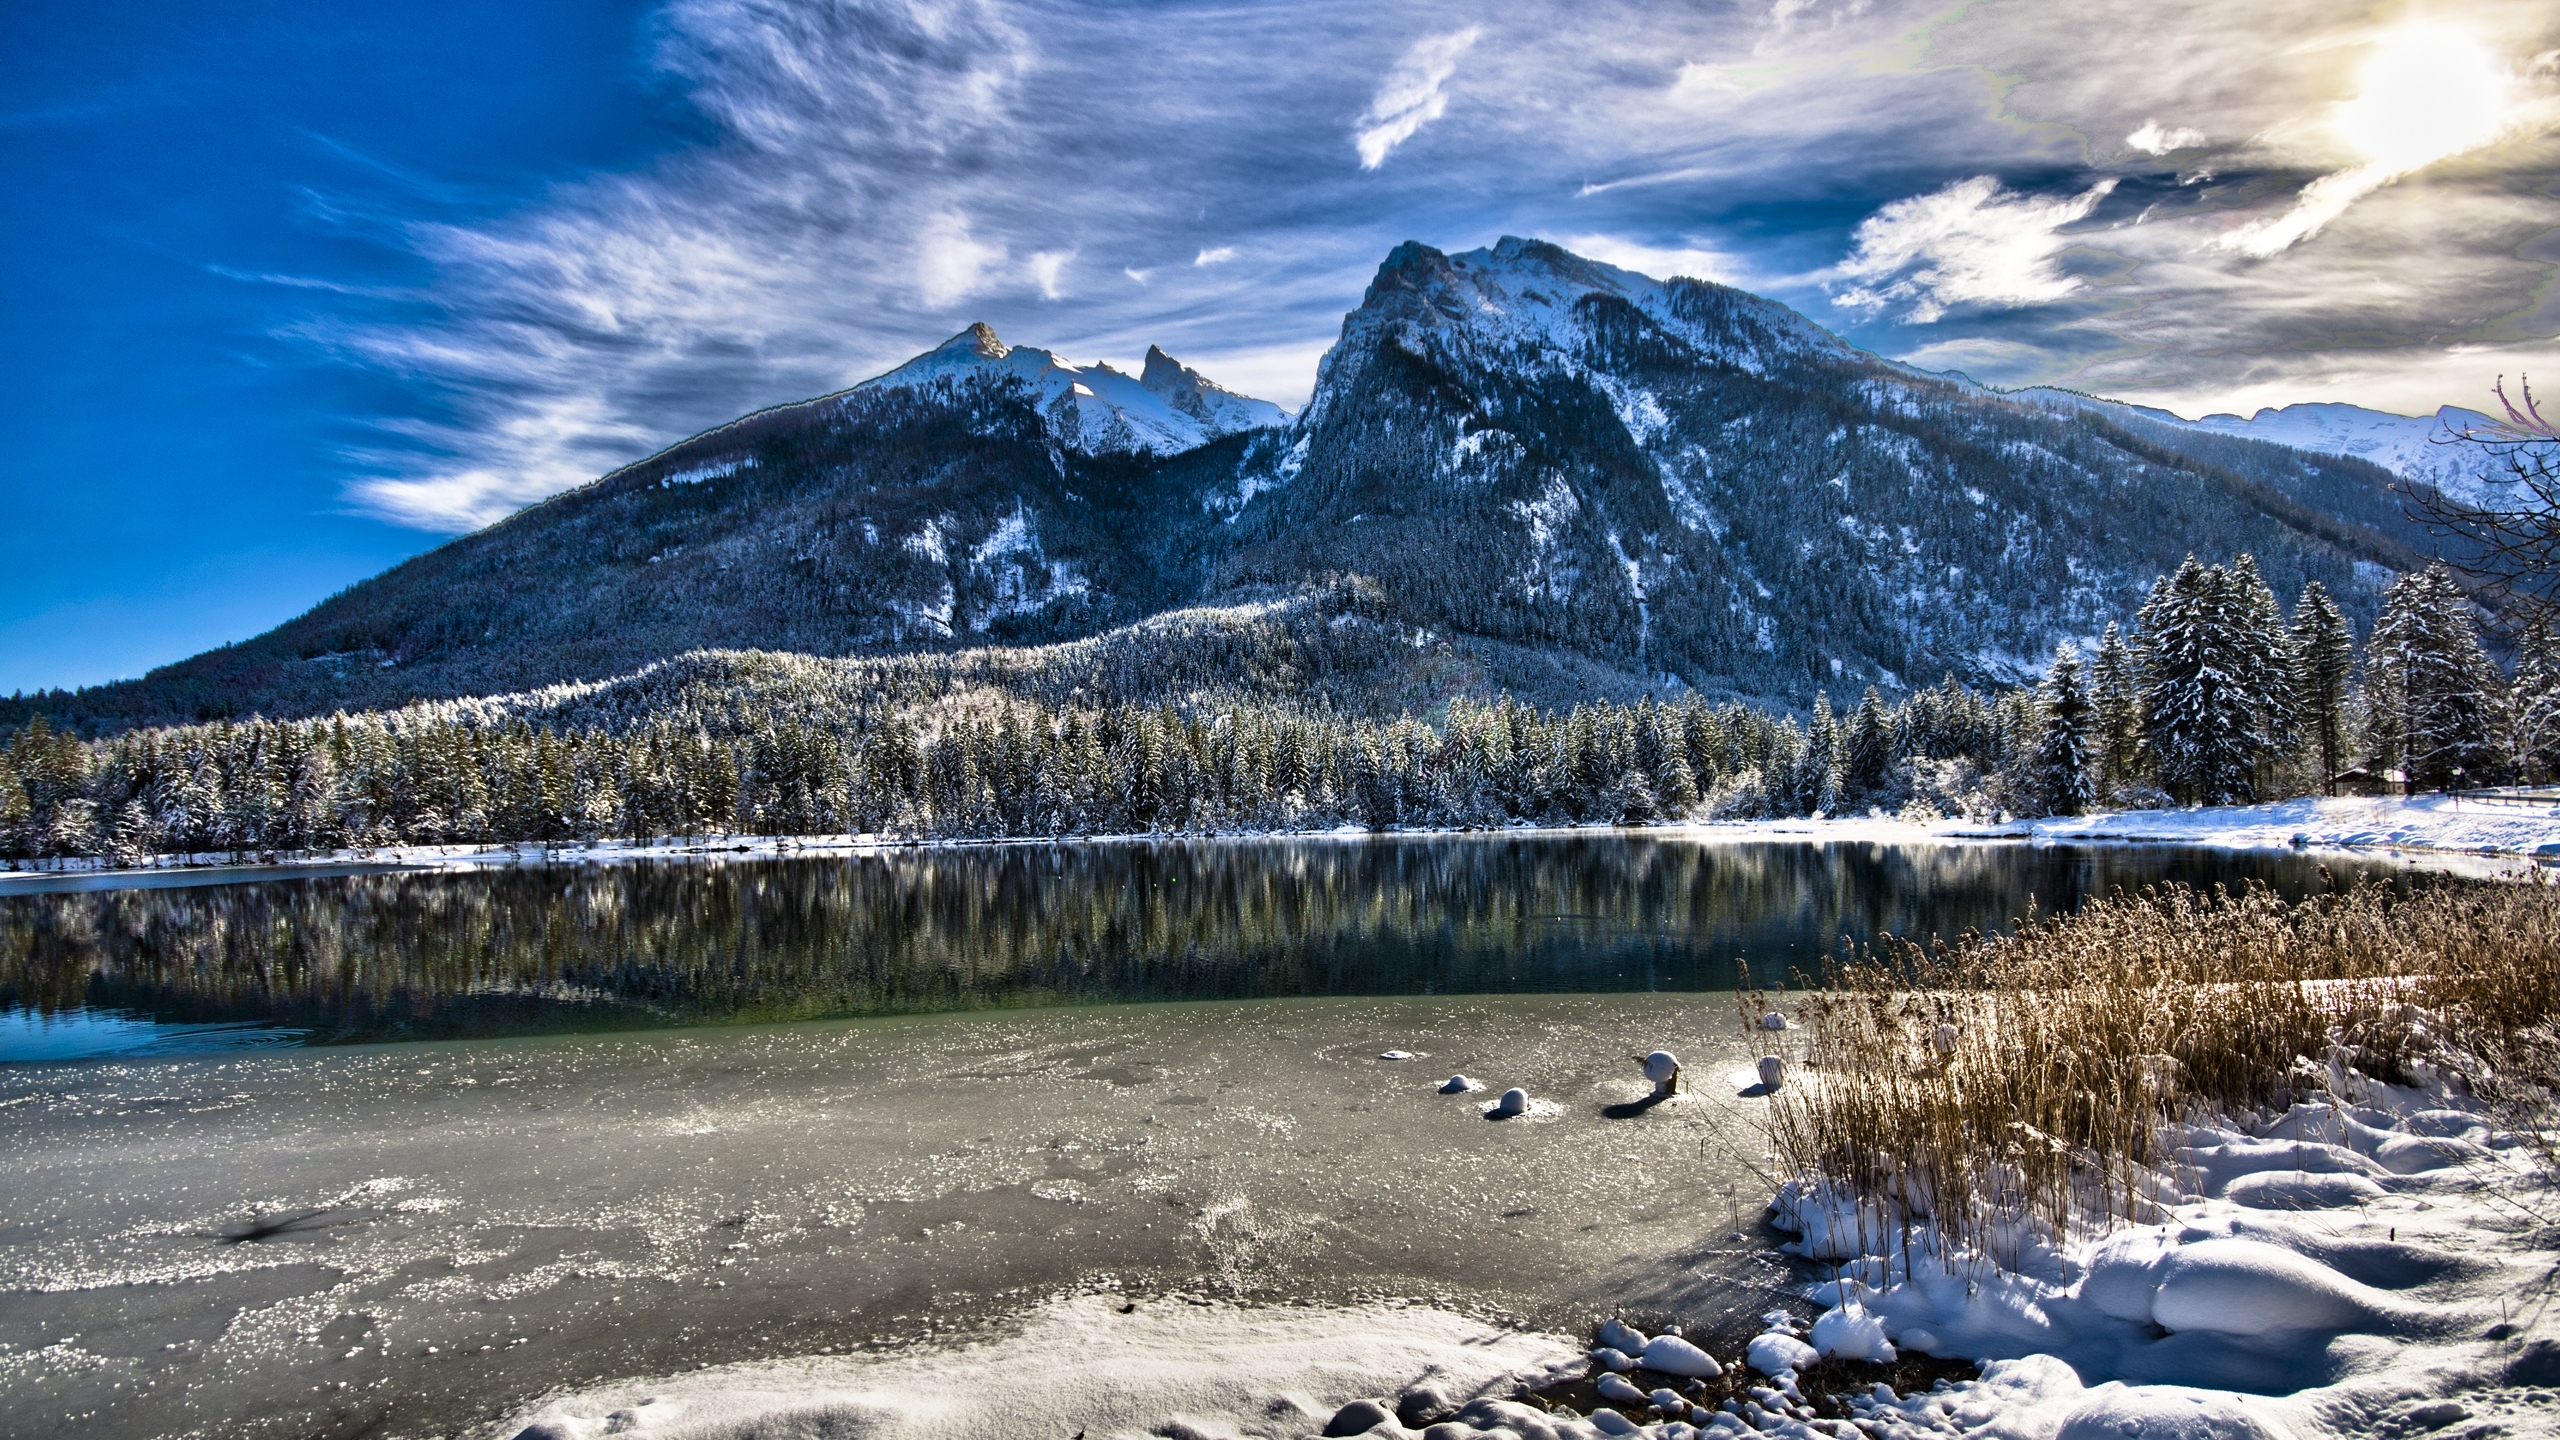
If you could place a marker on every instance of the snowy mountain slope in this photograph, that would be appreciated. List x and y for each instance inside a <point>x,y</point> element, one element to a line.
<point>1679,477</point>
<point>1094,408</point>
<point>2413,447</point>
<point>1593,478</point>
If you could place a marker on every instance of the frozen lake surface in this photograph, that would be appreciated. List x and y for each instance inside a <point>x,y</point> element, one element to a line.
<point>1153,1070</point>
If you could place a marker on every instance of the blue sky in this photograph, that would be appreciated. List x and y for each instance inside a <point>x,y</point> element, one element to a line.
<point>307,288</point>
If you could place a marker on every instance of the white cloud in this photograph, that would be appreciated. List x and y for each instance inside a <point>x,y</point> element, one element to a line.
<point>1044,268</point>
<point>1413,94</point>
<point>2156,139</point>
<point>1659,262</point>
<point>1135,273</point>
<point>951,264</point>
<point>1215,255</point>
<point>1976,242</point>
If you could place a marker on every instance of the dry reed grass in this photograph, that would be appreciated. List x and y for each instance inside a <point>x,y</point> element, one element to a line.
<point>2077,1041</point>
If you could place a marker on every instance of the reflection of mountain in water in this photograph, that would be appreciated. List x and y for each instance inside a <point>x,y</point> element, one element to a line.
<point>586,947</point>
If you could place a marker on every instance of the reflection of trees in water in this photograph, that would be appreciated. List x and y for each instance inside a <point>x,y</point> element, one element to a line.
<point>652,943</point>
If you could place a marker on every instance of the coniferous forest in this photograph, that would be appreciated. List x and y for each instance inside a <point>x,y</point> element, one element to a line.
<point>1284,716</point>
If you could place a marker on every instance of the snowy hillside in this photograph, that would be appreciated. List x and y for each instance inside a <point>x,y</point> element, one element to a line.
<point>2410,446</point>
<point>1094,408</point>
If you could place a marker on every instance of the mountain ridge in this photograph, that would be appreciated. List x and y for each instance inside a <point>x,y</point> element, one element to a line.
<point>1575,468</point>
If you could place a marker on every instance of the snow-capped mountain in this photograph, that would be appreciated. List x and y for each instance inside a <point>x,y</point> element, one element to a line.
<point>2413,447</point>
<point>1678,477</point>
<point>1095,409</point>
<point>1579,474</point>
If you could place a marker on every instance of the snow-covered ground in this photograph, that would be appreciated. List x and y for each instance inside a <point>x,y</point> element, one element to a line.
<point>1093,1365</point>
<point>2427,822</point>
<point>2278,1297</point>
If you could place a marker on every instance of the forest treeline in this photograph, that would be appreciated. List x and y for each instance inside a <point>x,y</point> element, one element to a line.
<point>2216,696</point>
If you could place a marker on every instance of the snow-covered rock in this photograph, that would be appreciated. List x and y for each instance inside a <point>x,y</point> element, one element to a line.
<point>1672,1355</point>
<point>1164,410</point>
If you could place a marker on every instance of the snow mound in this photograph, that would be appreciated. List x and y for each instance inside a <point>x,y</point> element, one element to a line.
<point>2318,1269</point>
<point>1079,1365</point>
<point>2480,825</point>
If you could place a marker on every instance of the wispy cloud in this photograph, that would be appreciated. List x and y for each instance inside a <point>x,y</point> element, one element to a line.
<point>1976,242</point>
<point>1413,95</point>
<point>878,172</point>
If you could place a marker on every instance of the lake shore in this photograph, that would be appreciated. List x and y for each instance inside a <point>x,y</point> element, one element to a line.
<point>2446,831</point>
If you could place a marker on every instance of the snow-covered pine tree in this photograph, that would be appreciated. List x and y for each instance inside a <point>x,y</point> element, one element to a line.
<point>1866,751</point>
<point>2202,708</point>
<point>2064,778</point>
<point>2267,670</point>
<point>2116,693</point>
<point>2430,689</point>
<point>2533,703</point>
<point>2323,658</point>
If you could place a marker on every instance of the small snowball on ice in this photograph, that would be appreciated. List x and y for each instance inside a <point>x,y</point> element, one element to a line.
<point>1776,1353</point>
<point>1773,1072</point>
<point>1672,1355</point>
<point>1610,1357</point>
<point>1663,1069</point>
<point>1460,1085</point>
<point>1619,1390</point>
<point>1514,1101</point>
<point>1773,1021</point>
<point>1395,1054</point>
<point>1619,1335</point>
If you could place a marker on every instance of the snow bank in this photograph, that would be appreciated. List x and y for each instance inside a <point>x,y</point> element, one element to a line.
<point>2427,822</point>
<point>1082,1365</point>
<point>2341,1269</point>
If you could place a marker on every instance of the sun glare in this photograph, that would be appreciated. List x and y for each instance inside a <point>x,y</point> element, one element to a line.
<point>2426,94</point>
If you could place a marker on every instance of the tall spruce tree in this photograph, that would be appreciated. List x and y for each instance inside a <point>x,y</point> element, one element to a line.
<point>2064,779</point>
<point>2117,695</point>
<point>2534,705</point>
<point>2205,686</point>
<point>2430,690</point>
<point>2323,659</point>
<point>2267,670</point>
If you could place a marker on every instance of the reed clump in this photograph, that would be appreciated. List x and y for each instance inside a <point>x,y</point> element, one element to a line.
<point>2002,1085</point>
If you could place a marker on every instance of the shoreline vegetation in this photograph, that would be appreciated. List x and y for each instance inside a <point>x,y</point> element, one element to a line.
<point>2172,1163</point>
<point>1990,1080</point>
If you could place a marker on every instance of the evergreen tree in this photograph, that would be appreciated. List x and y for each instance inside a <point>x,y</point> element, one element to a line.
<point>2323,657</point>
<point>2534,705</point>
<point>2064,780</point>
<point>1866,751</point>
<point>2203,700</point>
<point>2430,688</point>
<point>2266,665</point>
<point>2117,698</point>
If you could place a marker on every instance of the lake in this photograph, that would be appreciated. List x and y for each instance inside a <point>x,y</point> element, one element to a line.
<point>394,1154</point>
<point>584,948</point>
